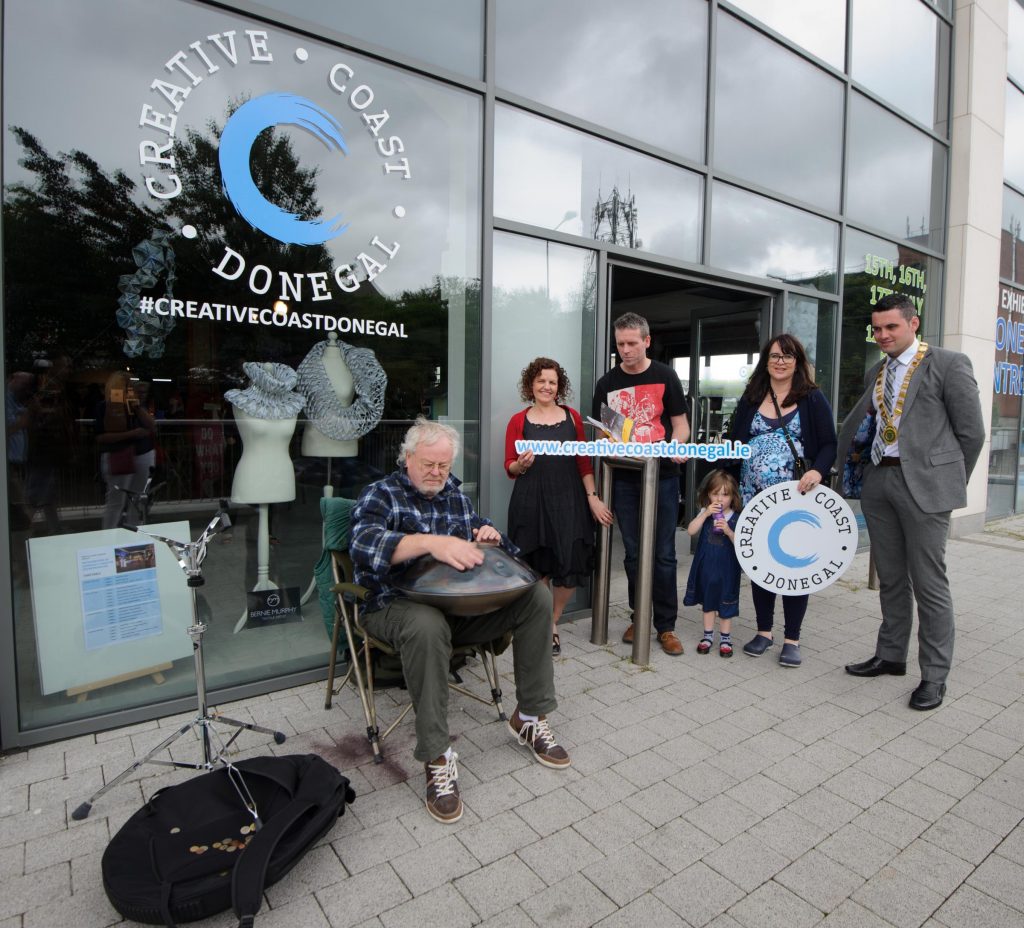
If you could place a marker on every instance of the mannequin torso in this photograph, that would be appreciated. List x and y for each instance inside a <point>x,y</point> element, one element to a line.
<point>314,443</point>
<point>265,473</point>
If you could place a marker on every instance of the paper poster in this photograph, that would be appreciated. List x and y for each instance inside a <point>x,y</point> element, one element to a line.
<point>120,595</point>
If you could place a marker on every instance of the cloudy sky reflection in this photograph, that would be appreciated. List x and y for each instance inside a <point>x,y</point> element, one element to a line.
<point>817,25</point>
<point>767,100</point>
<point>890,170</point>
<point>753,235</point>
<point>544,172</point>
<point>637,68</point>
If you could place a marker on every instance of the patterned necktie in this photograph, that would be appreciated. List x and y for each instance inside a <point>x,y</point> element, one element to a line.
<point>888,398</point>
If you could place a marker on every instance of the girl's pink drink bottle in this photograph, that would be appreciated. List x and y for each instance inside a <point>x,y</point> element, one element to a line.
<point>718,525</point>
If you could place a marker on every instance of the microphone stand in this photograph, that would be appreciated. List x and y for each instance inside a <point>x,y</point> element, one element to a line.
<point>190,556</point>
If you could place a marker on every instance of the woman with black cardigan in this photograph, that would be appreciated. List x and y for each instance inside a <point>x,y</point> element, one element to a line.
<point>782,404</point>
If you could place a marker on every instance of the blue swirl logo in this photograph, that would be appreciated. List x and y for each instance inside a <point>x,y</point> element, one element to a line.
<point>775,538</point>
<point>236,141</point>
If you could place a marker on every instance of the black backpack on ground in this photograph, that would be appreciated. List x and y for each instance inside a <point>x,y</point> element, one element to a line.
<point>196,849</point>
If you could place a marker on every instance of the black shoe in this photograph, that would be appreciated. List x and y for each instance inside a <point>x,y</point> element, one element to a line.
<point>927,696</point>
<point>875,667</point>
<point>757,645</point>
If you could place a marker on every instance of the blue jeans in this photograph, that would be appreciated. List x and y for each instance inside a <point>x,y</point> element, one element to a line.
<point>626,506</point>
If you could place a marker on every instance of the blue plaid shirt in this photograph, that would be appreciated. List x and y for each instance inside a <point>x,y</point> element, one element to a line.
<point>392,508</point>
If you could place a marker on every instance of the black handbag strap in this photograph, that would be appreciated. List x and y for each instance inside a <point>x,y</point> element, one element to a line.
<point>249,875</point>
<point>798,461</point>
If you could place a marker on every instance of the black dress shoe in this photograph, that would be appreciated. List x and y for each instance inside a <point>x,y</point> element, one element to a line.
<point>875,666</point>
<point>927,696</point>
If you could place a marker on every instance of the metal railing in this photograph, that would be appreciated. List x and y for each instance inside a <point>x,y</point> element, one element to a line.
<point>642,599</point>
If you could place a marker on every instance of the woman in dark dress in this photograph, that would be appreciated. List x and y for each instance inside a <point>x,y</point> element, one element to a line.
<point>554,502</point>
<point>782,397</point>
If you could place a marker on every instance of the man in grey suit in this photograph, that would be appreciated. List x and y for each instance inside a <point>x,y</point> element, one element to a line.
<point>929,431</point>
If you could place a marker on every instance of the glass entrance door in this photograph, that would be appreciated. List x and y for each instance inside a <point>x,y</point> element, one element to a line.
<point>725,350</point>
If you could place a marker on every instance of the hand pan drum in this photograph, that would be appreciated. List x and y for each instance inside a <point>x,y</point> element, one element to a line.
<point>498,581</point>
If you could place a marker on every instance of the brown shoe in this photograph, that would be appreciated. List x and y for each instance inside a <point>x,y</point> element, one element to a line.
<point>627,635</point>
<point>443,800</point>
<point>670,644</point>
<point>538,738</point>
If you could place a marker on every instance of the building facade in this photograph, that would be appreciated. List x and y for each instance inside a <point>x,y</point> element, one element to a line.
<point>245,244</point>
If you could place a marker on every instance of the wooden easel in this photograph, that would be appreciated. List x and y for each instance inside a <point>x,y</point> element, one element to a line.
<point>156,672</point>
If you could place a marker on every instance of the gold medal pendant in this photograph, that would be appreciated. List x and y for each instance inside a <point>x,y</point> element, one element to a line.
<point>889,434</point>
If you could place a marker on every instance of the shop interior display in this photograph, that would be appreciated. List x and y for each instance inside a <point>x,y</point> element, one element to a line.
<point>266,413</point>
<point>344,390</point>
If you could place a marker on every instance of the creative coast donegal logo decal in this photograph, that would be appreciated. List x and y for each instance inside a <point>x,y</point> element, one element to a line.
<point>793,543</point>
<point>236,141</point>
<point>281,296</point>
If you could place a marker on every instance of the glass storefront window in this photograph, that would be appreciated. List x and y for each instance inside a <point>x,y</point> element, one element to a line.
<point>446,33</point>
<point>1015,41</point>
<point>1006,448</point>
<point>895,176</point>
<point>559,178</point>
<point>1011,247</point>
<point>1013,139</point>
<point>215,192</point>
<point>816,25</point>
<point>544,304</point>
<point>643,74</point>
<point>761,133</point>
<point>753,235</point>
<point>873,268</point>
<point>898,50</point>
<point>814,323</point>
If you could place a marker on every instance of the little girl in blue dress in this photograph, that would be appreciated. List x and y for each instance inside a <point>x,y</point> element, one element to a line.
<point>714,581</point>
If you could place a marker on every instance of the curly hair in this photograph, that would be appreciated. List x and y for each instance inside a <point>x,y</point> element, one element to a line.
<point>427,432</point>
<point>803,381</point>
<point>529,375</point>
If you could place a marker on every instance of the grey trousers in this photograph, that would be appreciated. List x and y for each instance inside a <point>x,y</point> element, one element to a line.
<point>424,637</point>
<point>910,556</point>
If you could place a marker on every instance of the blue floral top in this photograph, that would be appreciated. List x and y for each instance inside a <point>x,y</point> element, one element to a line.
<point>770,461</point>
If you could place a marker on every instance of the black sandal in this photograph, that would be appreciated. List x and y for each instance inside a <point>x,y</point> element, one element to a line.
<point>556,644</point>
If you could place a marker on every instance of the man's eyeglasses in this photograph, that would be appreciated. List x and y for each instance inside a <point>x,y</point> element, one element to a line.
<point>428,467</point>
<point>777,358</point>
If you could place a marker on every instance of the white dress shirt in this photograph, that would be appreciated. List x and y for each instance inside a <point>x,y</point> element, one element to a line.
<point>902,366</point>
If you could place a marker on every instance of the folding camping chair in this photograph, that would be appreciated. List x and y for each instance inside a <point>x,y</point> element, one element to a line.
<point>345,598</point>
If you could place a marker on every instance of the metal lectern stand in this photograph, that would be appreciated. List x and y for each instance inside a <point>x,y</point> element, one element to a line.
<point>190,556</point>
<point>648,468</point>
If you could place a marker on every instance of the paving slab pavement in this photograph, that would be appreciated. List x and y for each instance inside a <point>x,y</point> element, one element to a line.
<point>703,791</point>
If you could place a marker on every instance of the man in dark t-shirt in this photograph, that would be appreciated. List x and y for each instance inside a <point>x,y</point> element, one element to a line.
<point>650,394</point>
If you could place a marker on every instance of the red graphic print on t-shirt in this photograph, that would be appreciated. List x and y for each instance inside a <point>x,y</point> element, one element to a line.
<point>644,405</point>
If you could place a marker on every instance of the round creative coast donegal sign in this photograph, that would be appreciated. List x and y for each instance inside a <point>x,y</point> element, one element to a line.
<point>793,543</point>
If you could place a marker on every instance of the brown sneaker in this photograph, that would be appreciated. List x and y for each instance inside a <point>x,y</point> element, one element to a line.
<point>538,738</point>
<point>627,635</point>
<point>443,800</point>
<point>670,644</point>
